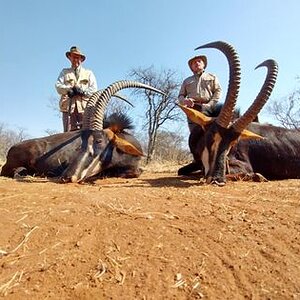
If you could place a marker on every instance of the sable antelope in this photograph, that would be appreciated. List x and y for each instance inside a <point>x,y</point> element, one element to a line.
<point>52,155</point>
<point>249,148</point>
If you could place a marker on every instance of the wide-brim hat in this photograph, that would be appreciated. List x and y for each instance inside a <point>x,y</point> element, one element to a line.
<point>202,57</point>
<point>75,50</point>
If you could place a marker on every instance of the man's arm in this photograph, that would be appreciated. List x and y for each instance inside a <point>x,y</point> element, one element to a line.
<point>92,87</point>
<point>182,93</point>
<point>60,86</point>
<point>216,94</point>
<point>182,99</point>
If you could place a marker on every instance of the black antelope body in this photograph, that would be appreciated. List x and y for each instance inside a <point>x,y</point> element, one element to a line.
<point>78,155</point>
<point>241,146</point>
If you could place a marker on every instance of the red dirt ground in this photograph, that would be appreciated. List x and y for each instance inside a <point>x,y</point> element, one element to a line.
<point>155,237</point>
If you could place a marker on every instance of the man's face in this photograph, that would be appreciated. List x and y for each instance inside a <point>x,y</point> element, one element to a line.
<point>75,59</point>
<point>197,65</point>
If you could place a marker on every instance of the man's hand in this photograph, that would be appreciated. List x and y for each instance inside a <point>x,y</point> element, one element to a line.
<point>75,91</point>
<point>71,93</point>
<point>188,102</point>
<point>78,91</point>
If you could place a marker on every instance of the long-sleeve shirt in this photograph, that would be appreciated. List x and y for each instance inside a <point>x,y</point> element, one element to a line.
<point>204,89</point>
<point>67,79</point>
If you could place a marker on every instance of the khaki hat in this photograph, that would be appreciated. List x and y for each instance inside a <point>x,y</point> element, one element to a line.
<point>75,50</point>
<point>202,57</point>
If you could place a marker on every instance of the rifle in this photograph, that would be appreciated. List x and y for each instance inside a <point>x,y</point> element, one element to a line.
<point>68,124</point>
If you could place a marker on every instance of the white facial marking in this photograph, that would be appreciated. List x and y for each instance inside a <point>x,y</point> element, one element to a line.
<point>91,149</point>
<point>205,160</point>
<point>205,154</point>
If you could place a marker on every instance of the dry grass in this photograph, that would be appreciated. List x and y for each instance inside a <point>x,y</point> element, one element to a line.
<point>174,238</point>
<point>162,167</point>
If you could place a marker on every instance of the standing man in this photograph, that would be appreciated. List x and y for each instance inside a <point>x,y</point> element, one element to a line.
<point>200,91</point>
<point>75,85</point>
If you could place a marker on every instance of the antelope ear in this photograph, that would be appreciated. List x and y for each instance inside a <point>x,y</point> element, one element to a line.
<point>122,144</point>
<point>127,147</point>
<point>110,134</point>
<point>248,135</point>
<point>196,116</point>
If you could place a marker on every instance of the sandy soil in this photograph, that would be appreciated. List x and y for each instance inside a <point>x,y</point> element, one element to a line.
<point>156,237</point>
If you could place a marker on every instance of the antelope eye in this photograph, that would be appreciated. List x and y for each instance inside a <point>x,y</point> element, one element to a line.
<point>98,138</point>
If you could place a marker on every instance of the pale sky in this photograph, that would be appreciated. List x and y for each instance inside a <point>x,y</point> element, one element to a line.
<point>117,36</point>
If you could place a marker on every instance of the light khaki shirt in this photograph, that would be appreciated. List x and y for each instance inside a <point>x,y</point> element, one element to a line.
<point>67,79</point>
<point>204,89</point>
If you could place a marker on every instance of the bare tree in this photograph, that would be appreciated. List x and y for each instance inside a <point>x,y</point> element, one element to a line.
<point>287,110</point>
<point>159,109</point>
<point>54,105</point>
<point>8,138</point>
<point>117,106</point>
<point>170,147</point>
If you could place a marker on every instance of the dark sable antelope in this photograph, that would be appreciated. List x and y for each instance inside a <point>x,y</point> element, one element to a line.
<point>101,148</point>
<point>118,151</point>
<point>245,147</point>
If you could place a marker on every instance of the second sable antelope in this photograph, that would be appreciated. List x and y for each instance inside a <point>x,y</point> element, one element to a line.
<point>241,141</point>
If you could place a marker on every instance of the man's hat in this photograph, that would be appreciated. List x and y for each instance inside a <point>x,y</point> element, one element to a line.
<point>75,50</point>
<point>202,57</point>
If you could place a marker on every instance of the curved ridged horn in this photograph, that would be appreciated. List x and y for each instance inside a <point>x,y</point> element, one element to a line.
<point>240,124</point>
<point>226,113</point>
<point>107,93</point>
<point>90,108</point>
<point>124,99</point>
